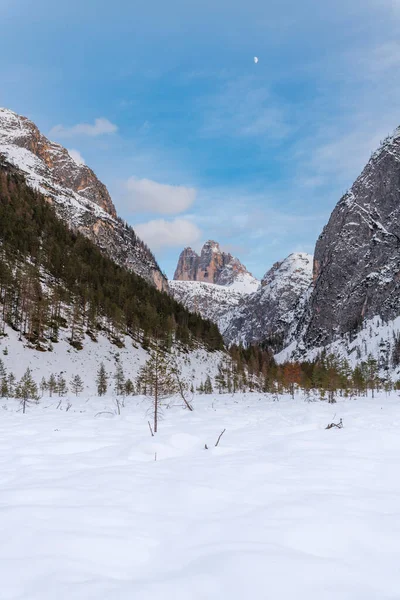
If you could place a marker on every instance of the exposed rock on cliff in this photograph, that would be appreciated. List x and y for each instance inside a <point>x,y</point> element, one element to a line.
<point>78,196</point>
<point>212,266</point>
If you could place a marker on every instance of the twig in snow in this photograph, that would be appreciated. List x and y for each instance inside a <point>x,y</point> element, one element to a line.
<point>104,412</point>
<point>219,437</point>
<point>151,431</point>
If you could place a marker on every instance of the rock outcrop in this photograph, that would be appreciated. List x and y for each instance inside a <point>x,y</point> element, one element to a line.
<point>245,311</point>
<point>357,256</point>
<point>77,194</point>
<point>212,266</point>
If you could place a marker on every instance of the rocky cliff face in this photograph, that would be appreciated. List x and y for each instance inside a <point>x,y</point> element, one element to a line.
<point>269,313</point>
<point>212,266</point>
<point>78,196</point>
<point>357,256</point>
<point>244,310</point>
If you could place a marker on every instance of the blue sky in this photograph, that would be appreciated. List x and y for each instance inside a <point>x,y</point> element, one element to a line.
<point>193,139</point>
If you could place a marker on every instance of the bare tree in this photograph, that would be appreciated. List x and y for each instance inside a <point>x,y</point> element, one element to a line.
<point>182,385</point>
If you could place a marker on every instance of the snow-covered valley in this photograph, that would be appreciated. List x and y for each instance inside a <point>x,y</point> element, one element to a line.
<point>282,508</point>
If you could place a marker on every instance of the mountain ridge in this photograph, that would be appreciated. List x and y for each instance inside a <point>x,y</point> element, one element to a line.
<point>79,197</point>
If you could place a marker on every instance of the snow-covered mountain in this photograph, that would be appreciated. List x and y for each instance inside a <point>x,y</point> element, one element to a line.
<point>356,293</point>
<point>212,284</point>
<point>268,314</point>
<point>78,196</point>
<point>244,309</point>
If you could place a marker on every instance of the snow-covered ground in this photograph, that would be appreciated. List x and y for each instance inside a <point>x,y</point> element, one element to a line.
<point>281,509</point>
<point>195,365</point>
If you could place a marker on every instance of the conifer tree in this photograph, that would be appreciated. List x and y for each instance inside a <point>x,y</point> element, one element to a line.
<point>27,390</point>
<point>101,380</point>
<point>52,385</point>
<point>119,380</point>
<point>158,378</point>
<point>43,386</point>
<point>76,385</point>
<point>62,388</point>
<point>129,388</point>
<point>208,388</point>
<point>4,392</point>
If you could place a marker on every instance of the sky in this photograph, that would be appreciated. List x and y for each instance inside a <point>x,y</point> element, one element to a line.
<point>194,140</point>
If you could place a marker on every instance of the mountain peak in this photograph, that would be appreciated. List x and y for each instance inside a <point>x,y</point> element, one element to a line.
<point>78,196</point>
<point>211,266</point>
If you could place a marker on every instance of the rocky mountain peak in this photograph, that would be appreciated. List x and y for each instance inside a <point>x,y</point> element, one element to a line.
<point>269,313</point>
<point>357,261</point>
<point>296,267</point>
<point>211,266</point>
<point>22,142</point>
<point>79,197</point>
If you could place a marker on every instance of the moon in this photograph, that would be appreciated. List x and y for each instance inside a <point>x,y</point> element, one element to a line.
<point>256,59</point>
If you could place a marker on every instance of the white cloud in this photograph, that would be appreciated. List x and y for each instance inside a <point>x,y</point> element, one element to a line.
<point>160,233</point>
<point>77,156</point>
<point>145,195</point>
<point>101,126</point>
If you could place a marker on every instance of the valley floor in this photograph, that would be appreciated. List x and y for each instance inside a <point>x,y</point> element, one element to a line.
<point>281,509</point>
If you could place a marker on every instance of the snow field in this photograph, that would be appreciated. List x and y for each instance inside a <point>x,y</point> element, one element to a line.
<point>282,508</point>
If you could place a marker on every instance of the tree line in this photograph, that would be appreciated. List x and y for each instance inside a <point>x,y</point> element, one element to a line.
<point>53,278</point>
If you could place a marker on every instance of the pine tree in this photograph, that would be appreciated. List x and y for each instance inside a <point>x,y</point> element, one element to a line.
<point>62,388</point>
<point>43,386</point>
<point>11,384</point>
<point>129,388</point>
<point>119,380</point>
<point>158,378</point>
<point>101,380</point>
<point>208,388</point>
<point>52,385</point>
<point>27,390</point>
<point>76,385</point>
<point>4,392</point>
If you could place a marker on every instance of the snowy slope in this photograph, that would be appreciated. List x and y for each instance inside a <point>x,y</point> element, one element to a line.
<point>269,312</point>
<point>281,509</point>
<point>195,365</point>
<point>247,311</point>
<point>78,196</point>
<point>376,339</point>
<point>212,301</point>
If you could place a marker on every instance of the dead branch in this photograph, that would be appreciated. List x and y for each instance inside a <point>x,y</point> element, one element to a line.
<point>151,431</point>
<point>104,412</point>
<point>338,425</point>
<point>219,437</point>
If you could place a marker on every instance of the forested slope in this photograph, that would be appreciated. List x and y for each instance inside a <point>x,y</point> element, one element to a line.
<point>52,277</point>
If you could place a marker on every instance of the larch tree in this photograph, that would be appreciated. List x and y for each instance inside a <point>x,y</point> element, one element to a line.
<point>158,378</point>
